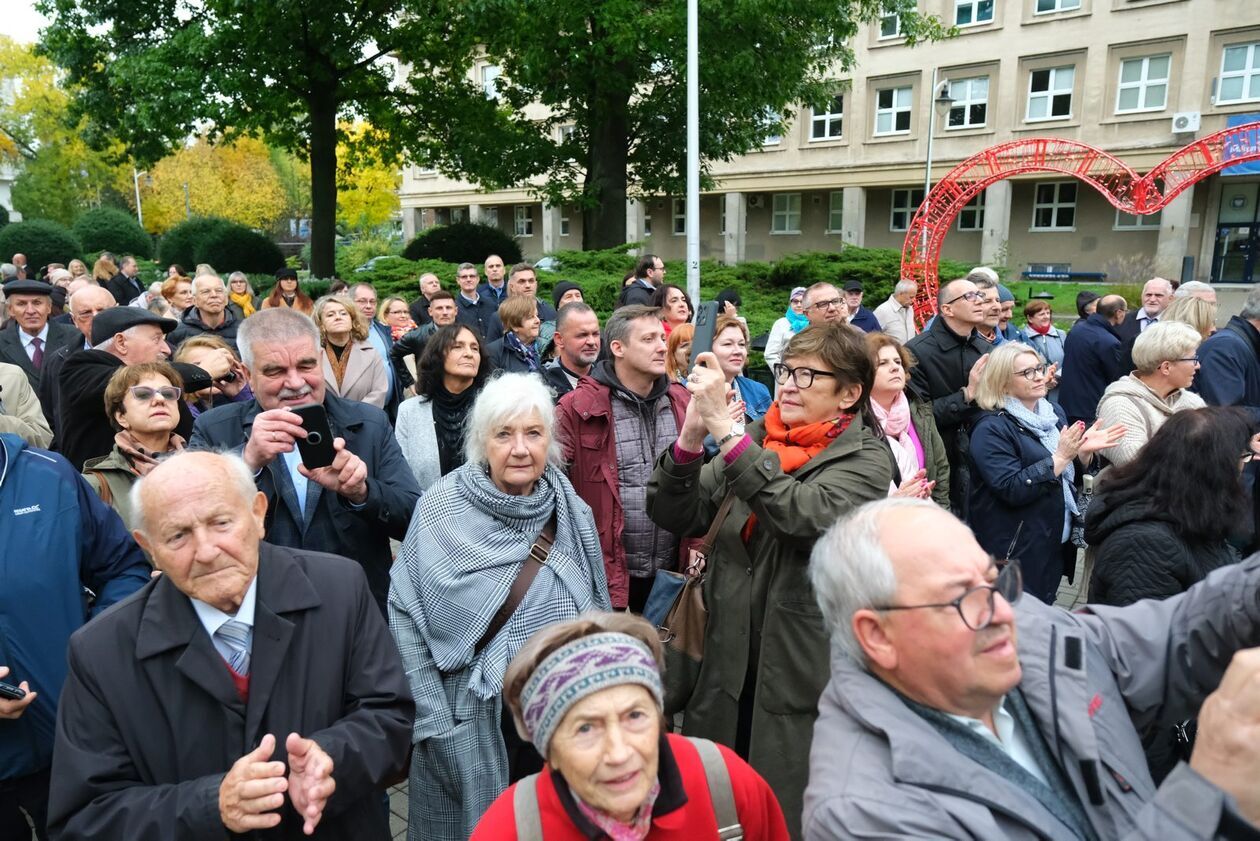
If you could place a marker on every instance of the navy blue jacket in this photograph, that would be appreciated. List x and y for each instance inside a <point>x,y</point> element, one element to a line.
<point>498,296</point>
<point>56,537</point>
<point>1013,482</point>
<point>1229,367</point>
<point>331,524</point>
<point>1091,362</point>
<point>482,315</point>
<point>865,321</point>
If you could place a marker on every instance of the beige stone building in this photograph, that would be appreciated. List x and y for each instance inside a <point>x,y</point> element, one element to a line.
<point>1137,78</point>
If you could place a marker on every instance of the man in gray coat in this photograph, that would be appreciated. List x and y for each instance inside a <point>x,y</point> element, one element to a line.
<point>958,710</point>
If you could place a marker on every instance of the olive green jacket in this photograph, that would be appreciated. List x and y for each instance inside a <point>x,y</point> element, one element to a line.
<point>934,456</point>
<point>762,612</point>
<point>119,475</point>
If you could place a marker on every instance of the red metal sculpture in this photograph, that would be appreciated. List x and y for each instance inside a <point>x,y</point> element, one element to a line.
<point>1107,174</point>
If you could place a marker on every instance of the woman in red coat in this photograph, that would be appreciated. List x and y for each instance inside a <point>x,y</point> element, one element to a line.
<point>587,694</point>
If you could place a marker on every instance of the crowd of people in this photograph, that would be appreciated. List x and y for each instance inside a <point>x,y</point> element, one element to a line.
<point>269,555</point>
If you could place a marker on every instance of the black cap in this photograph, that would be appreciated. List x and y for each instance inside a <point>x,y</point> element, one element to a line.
<point>117,319</point>
<point>281,274</point>
<point>560,289</point>
<point>853,286</point>
<point>26,287</point>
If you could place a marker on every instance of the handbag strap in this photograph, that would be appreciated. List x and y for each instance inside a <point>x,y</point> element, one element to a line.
<point>720,791</point>
<point>710,537</point>
<point>534,561</point>
<point>103,489</point>
<point>525,808</point>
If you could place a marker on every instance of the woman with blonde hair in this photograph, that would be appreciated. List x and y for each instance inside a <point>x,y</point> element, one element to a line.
<point>1198,313</point>
<point>77,268</point>
<point>395,314</point>
<point>103,271</point>
<point>353,370</point>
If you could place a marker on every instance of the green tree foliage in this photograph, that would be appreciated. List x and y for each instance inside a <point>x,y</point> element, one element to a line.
<point>463,242</point>
<point>609,76</point>
<point>41,240</point>
<point>180,243</point>
<point>110,229</point>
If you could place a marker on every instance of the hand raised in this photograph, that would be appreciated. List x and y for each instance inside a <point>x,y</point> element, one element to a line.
<point>347,475</point>
<point>1096,438</point>
<point>310,779</point>
<point>253,789</point>
<point>274,431</point>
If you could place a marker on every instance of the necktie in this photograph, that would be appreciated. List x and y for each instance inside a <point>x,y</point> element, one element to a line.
<point>236,636</point>
<point>37,357</point>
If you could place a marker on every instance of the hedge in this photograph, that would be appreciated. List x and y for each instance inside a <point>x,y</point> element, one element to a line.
<point>463,242</point>
<point>230,247</point>
<point>110,229</point>
<point>41,240</point>
<point>179,244</point>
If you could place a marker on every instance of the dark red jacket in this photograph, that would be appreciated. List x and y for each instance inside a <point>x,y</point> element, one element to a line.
<point>683,812</point>
<point>584,427</point>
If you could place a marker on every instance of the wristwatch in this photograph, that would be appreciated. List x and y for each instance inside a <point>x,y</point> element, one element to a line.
<point>737,431</point>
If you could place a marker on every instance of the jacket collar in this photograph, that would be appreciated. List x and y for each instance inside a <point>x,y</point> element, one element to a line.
<point>941,329</point>
<point>846,443</point>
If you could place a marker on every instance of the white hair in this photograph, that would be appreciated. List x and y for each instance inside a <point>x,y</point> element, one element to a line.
<point>986,272</point>
<point>1164,341</point>
<point>508,397</point>
<point>905,286</point>
<point>208,276</point>
<point>238,474</point>
<point>850,570</point>
<point>1190,287</point>
<point>271,327</point>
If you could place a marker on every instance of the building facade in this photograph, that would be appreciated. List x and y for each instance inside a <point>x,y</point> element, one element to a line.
<point>1136,78</point>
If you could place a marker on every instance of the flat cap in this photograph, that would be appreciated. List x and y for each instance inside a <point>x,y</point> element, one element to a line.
<point>117,319</point>
<point>26,287</point>
<point>853,286</point>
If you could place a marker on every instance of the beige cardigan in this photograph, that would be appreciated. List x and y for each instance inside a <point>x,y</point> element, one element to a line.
<point>1131,402</point>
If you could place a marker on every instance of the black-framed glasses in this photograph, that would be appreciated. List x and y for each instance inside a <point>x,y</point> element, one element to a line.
<point>1033,373</point>
<point>1193,359</point>
<point>803,377</point>
<point>976,607</point>
<point>829,304</point>
<point>975,296</point>
<point>145,393</point>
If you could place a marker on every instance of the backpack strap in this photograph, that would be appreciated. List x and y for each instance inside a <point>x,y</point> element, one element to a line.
<point>720,791</point>
<point>102,489</point>
<point>525,807</point>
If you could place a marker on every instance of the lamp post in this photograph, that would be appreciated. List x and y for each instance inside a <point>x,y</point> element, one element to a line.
<point>135,181</point>
<point>941,103</point>
<point>693,151</point>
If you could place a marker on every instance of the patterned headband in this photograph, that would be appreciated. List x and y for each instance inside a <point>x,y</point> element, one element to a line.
<point>581,668</point>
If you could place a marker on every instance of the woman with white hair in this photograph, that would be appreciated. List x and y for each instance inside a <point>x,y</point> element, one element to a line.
<point>1165,361</point>
<point>497,549</point>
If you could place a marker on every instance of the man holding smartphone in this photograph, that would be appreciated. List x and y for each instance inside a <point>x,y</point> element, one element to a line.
<point>351,506</point>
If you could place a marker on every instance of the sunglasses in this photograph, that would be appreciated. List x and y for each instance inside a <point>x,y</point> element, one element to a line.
<point>145,393</point>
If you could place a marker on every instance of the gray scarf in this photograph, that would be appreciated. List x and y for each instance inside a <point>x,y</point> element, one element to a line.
<point>466,544</point>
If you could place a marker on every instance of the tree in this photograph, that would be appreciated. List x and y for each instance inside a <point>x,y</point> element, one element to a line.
<point>153,72</point>
<point>589,105</point>
<point>232,180</point>
<point>58,174</point>
<point>367,182</point>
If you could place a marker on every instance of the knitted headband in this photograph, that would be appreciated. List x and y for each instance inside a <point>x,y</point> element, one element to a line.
<point>581,668</point>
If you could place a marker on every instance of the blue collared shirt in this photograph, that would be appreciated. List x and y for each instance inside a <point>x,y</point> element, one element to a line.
<point>212,618</point>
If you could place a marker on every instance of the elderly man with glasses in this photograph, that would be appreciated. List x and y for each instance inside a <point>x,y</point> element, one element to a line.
<point>823,304</point>
<point>983,715</point>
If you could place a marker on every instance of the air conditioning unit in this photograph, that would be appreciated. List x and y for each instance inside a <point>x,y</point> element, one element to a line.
<point>1185,121</point>
<point>755,200</point>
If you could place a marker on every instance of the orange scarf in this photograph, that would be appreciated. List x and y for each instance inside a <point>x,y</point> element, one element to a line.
<point>795,446</point>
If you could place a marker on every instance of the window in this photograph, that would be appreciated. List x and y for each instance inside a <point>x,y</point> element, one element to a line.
<point>1050,93</point>
<point>524,221</point>
<point>904,204</point>
<point>566,133</point>
<point>1045,7</point>
<point>828,123</point>
<point>892,111</point>
<point>458,215</point>
<point>786,218</point>
<point>647,224</point>
<point>835,212</point>
<point>971,103</point>
<point>970,12</point>
<point>1240,74</point>
<point>771,120</point>
<point>1143,84</point>
<point>1129,222</point>
<point>722,215</point>
<point>490,81</point>
<point>680,217</point>
<point>889,26</point>
<point>971,217</point>
<point>1054,206</point>
<point>564,222</point>
<point>490,216</point>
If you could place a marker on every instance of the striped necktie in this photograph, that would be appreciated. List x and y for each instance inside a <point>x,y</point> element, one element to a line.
<point>236,636</point>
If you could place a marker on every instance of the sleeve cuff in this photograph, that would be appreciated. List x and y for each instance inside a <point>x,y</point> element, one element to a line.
<point>737,450</point>
<point>682,456</point>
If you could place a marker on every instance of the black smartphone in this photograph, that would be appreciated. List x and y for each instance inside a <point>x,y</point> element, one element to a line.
<point>11,692</point>
<point>317,447</point>
<point>706,320</point>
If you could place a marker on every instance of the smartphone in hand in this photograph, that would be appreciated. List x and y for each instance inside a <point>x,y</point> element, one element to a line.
<point>317,447</point>
<point>706,321</point>
<point>10,692</point>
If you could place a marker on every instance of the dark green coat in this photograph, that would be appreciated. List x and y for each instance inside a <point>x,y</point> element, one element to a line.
<point>934,456</point>
<point>119,475</point>
<point>762,610</point>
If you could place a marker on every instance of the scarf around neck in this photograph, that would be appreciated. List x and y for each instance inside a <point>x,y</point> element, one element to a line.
<point>142,461</point>
<point>796,446</point>
<point>244,301</point>
<point>526,352</point>
<point>1044,424</point>
<point>895,422</point>
<point>449,412</point>
<point>796,320</point>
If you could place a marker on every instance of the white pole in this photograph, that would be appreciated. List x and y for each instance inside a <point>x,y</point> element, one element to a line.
<point>693,151</point>
<point>927,175</point>
<point>135,180</point>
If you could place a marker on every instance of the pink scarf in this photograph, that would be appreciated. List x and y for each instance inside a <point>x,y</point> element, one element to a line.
<point>896,425</point>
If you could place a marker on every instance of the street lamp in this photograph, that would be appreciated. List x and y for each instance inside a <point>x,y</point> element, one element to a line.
<point>135,180</point>
<point>941,103</point>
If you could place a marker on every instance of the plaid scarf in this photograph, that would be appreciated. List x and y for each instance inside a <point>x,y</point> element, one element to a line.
<point>513,343</point>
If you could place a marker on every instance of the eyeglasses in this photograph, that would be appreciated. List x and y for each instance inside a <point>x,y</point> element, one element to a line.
<point>976,606</point>
<point>975,296</point>
<point>1193,359</point>
<point>1033,373</point>
<point>803,377</point>
<point>831,304</point>
<point>145,393</point>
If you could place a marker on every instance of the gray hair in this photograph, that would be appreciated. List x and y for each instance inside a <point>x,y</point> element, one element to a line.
<point>208,276</point>
<point>1158,280</point>
<point>272,327</point>
<point>1164,341</point>
<point>235,276</point>
<point>237,471</point>
<point>985,275</point>
<point>8,271</point>
<point>508,397</point>
<point>618,327</point>
<point>571,310</point>
<point>361,284</point>
<point>1251,308</point>
<point>850,570</point>
<point>818,287</point>
<point>905,286</point>
<point>464,267</point>
<point>1188,288</point>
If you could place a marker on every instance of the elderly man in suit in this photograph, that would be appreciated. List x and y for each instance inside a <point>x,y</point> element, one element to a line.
<point>352,507</point>
<point>238,691</point>
<point>32,338</point>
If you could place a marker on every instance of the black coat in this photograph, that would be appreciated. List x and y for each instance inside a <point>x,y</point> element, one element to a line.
<point>191,325</point>
<point>1013,483</point>
<point>504,358</point>
<point>330,524</point>
<point>49,385</point>
<point>635,293</point>
<point>11,349</point>
<point>411,344</point>
<point>1091,362</point>
<point>150,720</point>
<point>124,289</point>
<point>83,431</point>
<point>1139,555</point>
<point>483,315</point>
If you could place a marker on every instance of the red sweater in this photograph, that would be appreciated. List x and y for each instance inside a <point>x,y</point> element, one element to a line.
<point>691,820</point>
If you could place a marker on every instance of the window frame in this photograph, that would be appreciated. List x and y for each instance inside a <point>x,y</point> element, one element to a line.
<point>489,87</point>
<point>974,5</point>
<point>564,221</point>
<point>832,211</point>
<point>1250,74</point>
<point>1055,206</point>
<point>896,29</point>
<point>786,214</point>
<point>967,104</point>
<point>894,110</point>
<point>1059,6</point>
<point>975,207</point>
<point>1050,93</point>
<point>826,120</point>
<point>1142,84</point>
<point>1138,225</point>
<point>908,209</point>
<point>522,223</point>
<point>678,217</point>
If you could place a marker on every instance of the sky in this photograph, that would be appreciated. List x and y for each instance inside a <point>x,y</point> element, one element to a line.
<point>22,22</point>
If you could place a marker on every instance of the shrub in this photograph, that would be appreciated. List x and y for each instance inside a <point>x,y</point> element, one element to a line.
<point>110,229</point>
<point>4,216</point>
<point>464,242</point>
<point>230,248</point>
<point>179,244</point>
<point>355,254</point>
<point>41,240</point>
